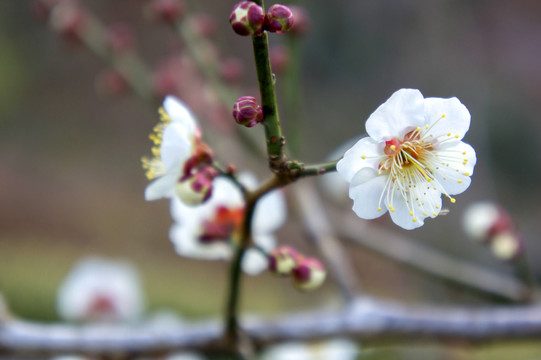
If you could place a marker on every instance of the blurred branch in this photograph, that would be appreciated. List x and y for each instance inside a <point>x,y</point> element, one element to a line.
<point>364,319</point>
<point>321,232</point>
<point>410,252</point>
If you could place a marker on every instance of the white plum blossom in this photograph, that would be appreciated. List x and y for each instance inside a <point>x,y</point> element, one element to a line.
<point>175,140</point>
<point>412,156</point>
<point>212,230</point>
<point>101,290</point>
<point>335,349</point>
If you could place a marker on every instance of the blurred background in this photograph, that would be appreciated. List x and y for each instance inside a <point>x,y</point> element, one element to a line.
<point>71,183</point>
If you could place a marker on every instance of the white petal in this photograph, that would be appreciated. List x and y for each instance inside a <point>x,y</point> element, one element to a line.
<point>454,174</point>
<point>225,193</point>
<point>176,147</point>
<point>447,116</point>
<point>179,113</point>
<point>353,160</point>
<point>265,241</point>
<point>270,213</point>
<point>163,187</point>
<point>254,262</point>
<point>366,189</point>
<point>187,244</point>
<point>401,113</point>
<point>428,204</point>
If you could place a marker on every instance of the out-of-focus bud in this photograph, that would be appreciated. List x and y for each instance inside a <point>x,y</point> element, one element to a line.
<point>247,112</point>
<point>506,246</point>
<point>302,21</point>
<point>231,69</point>
<point>67,18</point>
<point>279,58</point>
<point>203,24</point>
<point>110,83</point>
<point>279,19</point>
<point>42,8</point>
<point>120,37</point>
<point>195,189</point>
<point>484,220</point>
<point>247,18</point>
<point>166,78</point>
<point>309,274</point>
<point>168,11</point>
<point>283,260</point>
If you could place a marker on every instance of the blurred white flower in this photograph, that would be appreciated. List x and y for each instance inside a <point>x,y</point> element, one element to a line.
<point>100,290</point>
<point>483,219</point>
<point>175,139</point>
<point>212,229</point>
<point>412,156</point>
<point>337,349</point>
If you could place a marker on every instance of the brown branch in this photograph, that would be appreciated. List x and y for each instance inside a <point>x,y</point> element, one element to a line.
<point>364,319</point>
<point>413,253</point>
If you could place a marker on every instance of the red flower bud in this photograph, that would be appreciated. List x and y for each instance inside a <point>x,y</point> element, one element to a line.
<point>168,11</point>
<point>279,19</point>
<point>247,112</point>
<point>283,260</point>
<point>120,37</point>
<point>309,274</point>
<point>247,18</point>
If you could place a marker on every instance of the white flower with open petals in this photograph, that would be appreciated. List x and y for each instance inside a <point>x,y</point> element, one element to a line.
<point>101,290</point>
<point>412,156</point>
<point>175,139</point>
<point>212,230</point>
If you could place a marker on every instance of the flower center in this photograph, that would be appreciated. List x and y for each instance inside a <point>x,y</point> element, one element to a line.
<point>225,224</point>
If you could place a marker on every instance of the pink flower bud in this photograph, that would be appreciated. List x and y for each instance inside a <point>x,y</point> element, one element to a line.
<point>283,260</point>
<point>309,274</point>
<point>247,18</point>
<point>247,112</point>
<point>120,37</point>
<point>196,189</point>
<point>167,11</point>
<point>203,24</point>
<point>68,19</point>
<point>279,19</point>
<point>110,83</point>
<point>279,58</point>
<point>231,69</point>
<point>302,21</point>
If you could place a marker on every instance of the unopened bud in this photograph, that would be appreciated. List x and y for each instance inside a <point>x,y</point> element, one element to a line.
<point>279,58</point>
<point>195,189</point>
<point>247,112</point>
<point>484,220</point>
<point>247,18</point>
<point>309,274</point>
<point>67,19</point>
<point>231,69</point>
<point>302,21</point>
<point>279,19</point>
<point>203,24</point>
<point>110,83</point>
<point>283,260</point>
<point>168,11</point>
<point>120,37</point>
<point>506,246</point>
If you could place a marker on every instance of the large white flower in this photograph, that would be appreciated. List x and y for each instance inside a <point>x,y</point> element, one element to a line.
<point>101,290</point>
<point>175,139</point>
<point>412,156</point>
<point>212,230</point>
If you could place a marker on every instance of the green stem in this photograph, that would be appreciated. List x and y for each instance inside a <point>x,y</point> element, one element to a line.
<point>273,132</point>
<point>297,169</point>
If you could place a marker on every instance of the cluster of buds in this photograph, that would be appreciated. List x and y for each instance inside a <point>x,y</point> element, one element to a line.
<point>306,273</point>
<point>195,185</point>
<point>66,17</point>
<point>248,18</point>
<point>490,224</point>
<point>247,112</point>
